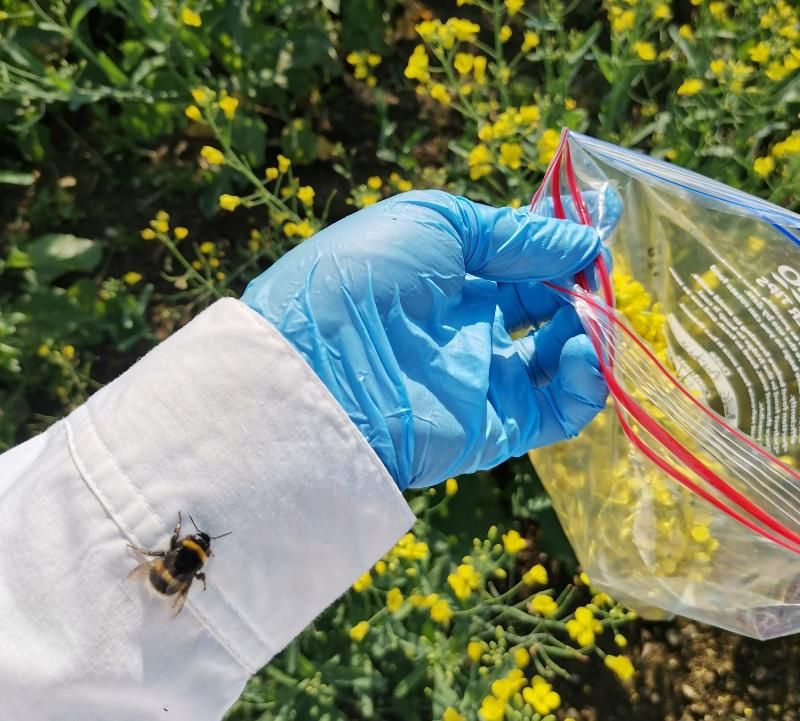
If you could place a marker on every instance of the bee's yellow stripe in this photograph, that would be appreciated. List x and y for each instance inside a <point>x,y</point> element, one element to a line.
<point>189,543</point>
<point>162,571</point>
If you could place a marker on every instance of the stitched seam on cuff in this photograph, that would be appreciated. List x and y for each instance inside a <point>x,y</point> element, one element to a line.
<point>93,486</point>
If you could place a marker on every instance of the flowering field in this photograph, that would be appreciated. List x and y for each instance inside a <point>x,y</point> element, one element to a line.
<point>156,155</point>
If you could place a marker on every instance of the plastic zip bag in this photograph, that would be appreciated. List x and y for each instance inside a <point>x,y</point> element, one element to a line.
<point>683,496</point>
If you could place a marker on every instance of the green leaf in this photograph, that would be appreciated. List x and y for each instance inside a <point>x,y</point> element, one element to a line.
<point>54,254</point>
<point>11,177</point>
<point>587,41</point>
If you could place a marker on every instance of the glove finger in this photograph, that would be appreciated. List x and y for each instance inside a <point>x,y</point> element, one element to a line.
<point>573,398</point>
<point>540,350</point>
<point>525,304</point>
<point>504,244</point>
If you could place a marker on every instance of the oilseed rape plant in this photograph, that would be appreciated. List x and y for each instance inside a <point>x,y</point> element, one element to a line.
<point>482,636</point>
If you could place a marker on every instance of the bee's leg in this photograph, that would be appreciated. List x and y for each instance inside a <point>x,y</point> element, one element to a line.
<point>145,552</point>
<point>202,577</point>
<point>173,543</point>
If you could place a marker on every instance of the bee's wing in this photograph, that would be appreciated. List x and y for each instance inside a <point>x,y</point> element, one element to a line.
<point>180,599</point>
<point>142,571</point>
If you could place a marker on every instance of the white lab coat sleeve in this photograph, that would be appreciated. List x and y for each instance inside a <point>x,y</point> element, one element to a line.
<point>223,420</point>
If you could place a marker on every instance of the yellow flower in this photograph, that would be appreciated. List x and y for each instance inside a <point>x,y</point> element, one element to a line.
<point>536,576</point>
<point>547,145</point>
<point>717,10</point>
<point>417,67</point>
<point>511,155</point>
<point>480,162</point>
<point>229,202</point>
<point>441,612</point>
<point>541,697</point>
<point>662,12</point>
<point>530,114</point>
<point>367,199</point>
<point>193,113</point>
<point>147,234</point>
<point>514,6</point>
<point>191,18</point>
<point>394,600</point>
<point>464,30</point>
<point>451,487</point>
<point>777,71</point>
<point>620,640</point>
<point>543,605</point>
<point>475,650</point>
<point>220,275</point>
<point>479,69</point>
<point>717,66</point>
<point>228,105</point>
<point>464,581</point>
<point>584,578</point>
<point>521,657</point>
<point>623,21</point>
<point>207,247</point>
<point>360,630</point>
<point>645,51</point>
<point>451,714</point>
<point>180,232</point>
<point>686,32</point>
<point>763,167</point>
<point>68,351</point>
<point>212,156</point>
<point>284,163</point>
<point>583,627</point>
<point>400,183</point>
<point>788,146</point>
<point>505,688</point>
<point>759,53</point>
<point>620,665</point>
<point>363,582</point>
<point>505,33</point>
<point>132,277</point>
<point>463,63</point>
<point>602,599</point>
<point>492,709</point>
<point>43,350</point>
<point>161,226</point>
<point>439,92</point>
<point>513,542</point>
<point>303,229</point>
<point>201,95</point>
<point>306,195</point>
<point>271,173</point>
<point>373,59</point>
<point>374,182</point>
<point>690,86</point>
<point>410,549</point>
<point>530,40</point>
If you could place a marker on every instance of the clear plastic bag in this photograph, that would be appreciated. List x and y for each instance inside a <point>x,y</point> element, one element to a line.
<point>683,496</point>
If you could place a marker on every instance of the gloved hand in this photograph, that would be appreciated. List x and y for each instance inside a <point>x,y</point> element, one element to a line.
<point>404,309</point>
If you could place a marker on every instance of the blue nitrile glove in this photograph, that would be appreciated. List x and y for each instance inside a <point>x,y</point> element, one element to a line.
<point>403,310</point>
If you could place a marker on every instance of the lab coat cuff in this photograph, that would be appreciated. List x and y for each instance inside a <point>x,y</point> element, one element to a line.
<point>240,433</point>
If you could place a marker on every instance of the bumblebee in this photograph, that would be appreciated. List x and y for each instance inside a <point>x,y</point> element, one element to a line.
<point>171,572</point>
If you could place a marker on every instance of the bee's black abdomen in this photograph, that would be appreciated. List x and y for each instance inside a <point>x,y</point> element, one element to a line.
<point>163,580</point>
